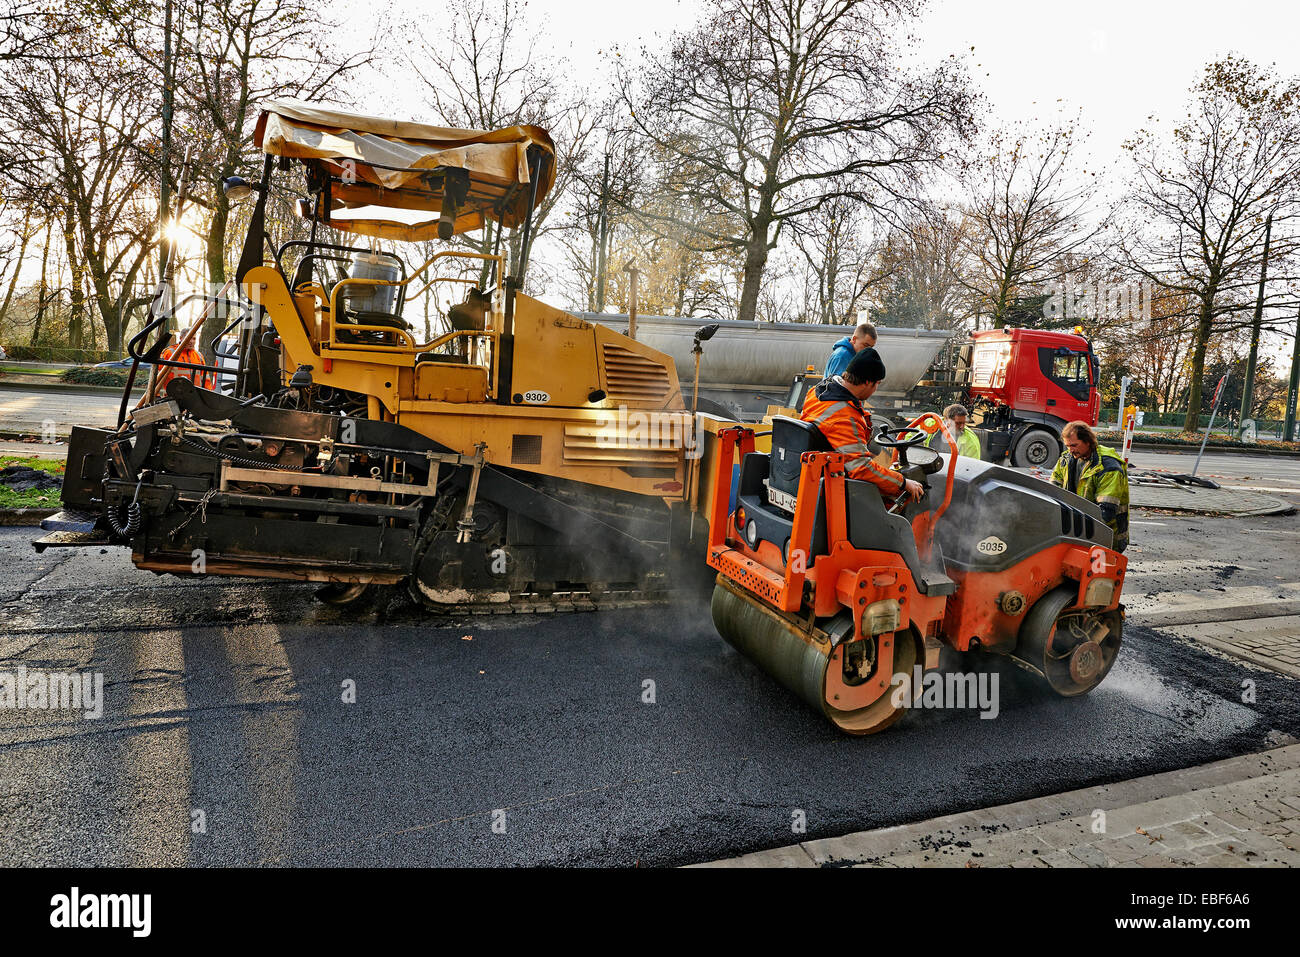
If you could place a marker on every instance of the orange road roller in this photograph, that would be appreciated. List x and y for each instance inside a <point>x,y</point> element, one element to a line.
<point>840,594</point>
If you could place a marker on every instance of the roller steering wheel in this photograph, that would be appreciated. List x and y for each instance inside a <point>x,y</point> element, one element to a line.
<point>900,443</point>
<point>902,440</point>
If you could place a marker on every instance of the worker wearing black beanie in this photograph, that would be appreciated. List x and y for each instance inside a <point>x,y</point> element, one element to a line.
<point>834,406</point>
<point>866,366</point>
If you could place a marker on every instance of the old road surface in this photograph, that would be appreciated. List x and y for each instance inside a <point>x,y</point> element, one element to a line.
<point>225,737</point>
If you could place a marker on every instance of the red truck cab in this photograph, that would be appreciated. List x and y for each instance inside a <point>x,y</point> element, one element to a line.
<point>1027,383</point>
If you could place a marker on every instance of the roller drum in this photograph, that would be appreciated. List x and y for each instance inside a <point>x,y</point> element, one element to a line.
<point>800,658</point>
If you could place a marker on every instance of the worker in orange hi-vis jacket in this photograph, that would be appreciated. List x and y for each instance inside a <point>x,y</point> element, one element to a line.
<point>205,380</point>
<point>835,407</point>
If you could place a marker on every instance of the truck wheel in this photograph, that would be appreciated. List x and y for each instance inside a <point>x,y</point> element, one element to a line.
<point>1037,448</point>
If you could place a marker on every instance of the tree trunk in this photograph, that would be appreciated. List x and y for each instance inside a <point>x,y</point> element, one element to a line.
<point>831,279</point>
<point>756,251</point>
<point>215,256</point>
<point>602,238</point>
<point>18,263</point>
<point>40,293</point>
<point>1001,304</point>
<point>999,316</point>
<point>513,252</point>
<point>74,286</point>
<point>591,278</point>
<point>1192,421</point>
<point>682,280</point>
<point>485,271</point>
<point>110,310</point>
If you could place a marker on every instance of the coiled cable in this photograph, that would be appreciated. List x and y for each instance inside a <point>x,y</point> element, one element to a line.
<point>132,516</point>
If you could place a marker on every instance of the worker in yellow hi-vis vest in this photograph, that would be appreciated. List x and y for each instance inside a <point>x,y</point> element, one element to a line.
<point>968,443</point>
<point>1094,472</point>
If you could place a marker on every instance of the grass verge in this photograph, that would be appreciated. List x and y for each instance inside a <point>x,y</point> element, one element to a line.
<point>32,498</point>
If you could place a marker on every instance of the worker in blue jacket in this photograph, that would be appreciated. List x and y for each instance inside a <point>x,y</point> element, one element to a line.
<point>844,350</point>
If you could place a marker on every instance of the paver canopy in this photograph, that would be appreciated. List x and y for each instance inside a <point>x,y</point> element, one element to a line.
<point>386,176</point>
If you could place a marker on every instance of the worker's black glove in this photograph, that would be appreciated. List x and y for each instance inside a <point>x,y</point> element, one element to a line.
<point>1108,511</point>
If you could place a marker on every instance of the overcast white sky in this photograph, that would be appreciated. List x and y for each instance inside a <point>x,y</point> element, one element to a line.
<point>1117,60</point>
<point>1113,62</point>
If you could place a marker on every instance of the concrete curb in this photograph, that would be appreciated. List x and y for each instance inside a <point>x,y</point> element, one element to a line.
<point>876,847</point>
<point>24,516</point>
<point>66,387</point>
<point>38,364</point>
<point>1226,449</point>
<point>18,435</point>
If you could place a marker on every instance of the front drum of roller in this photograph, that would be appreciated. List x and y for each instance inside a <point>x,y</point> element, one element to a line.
<point>805,660</point>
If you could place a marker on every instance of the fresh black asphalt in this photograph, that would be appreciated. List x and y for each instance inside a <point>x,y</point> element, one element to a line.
<point>514,739</point>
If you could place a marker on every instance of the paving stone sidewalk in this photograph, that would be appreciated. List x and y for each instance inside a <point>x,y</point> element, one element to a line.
<point>1242,812</point>
<point>1221,501</point>
<point>1268,642</point>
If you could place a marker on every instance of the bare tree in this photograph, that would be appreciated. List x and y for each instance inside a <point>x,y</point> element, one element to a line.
<point>72,126</point>
<point>230,57</point>
<point>839,261</point>
<point>922,268</point>
<point>480,69</point>
<point>12,265</point>
<point>599,237</point>
<point>1027,214</point>
<point>771,108</point>
<point>1194,221</point>
<point>28,27</point>
<point>1156,355</point>
<point>610,179</point>
<point>674,279</point>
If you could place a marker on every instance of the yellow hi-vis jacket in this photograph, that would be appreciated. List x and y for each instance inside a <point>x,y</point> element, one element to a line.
<point>847,427</point>
<point>968,443</point>
<point>1102,479</point>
